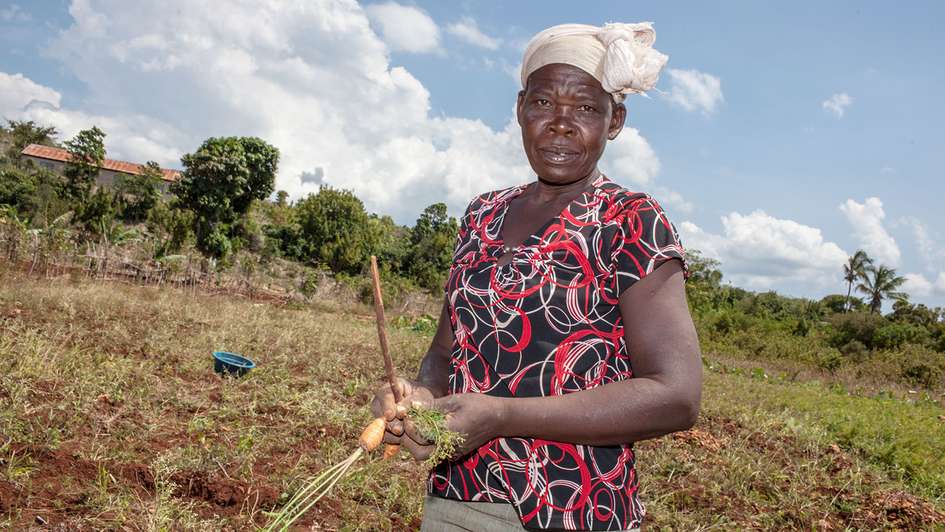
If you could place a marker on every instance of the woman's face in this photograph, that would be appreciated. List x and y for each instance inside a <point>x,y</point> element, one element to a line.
<point>567,119</point>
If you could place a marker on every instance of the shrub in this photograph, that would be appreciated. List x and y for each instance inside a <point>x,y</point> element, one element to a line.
<point>921,366</point>
<point>334,230</point>
<point>896,334</point>
<point>730,321</point>
<point>170,227</point>
<point>855,351</point>
<point>830,360</point>
<point>860,326</point>
<point>138,194</point>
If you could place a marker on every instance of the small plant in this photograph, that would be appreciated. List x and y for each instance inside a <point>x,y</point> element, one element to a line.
<point>431,424</point>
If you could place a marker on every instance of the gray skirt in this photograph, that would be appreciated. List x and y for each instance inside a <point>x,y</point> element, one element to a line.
<point>448,515</point>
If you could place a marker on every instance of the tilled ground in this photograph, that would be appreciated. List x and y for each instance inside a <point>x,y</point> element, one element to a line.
<point>111,418</point>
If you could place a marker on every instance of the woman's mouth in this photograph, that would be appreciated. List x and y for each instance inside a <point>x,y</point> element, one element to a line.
<point>558,155</point>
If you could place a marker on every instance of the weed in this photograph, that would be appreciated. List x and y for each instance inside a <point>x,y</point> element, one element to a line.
<point>431,424</point>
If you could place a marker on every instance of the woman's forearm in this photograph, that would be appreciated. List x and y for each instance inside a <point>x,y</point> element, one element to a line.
<point>434,372</point>
<point>620,412</point>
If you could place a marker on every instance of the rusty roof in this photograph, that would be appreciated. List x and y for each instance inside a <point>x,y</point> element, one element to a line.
<point>58,154</point>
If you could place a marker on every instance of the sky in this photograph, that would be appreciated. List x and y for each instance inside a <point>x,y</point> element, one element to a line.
<point>781,137</point>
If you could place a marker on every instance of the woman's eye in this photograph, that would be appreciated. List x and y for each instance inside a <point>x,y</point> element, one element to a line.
<point>542,102</point>
<point>587,108</point>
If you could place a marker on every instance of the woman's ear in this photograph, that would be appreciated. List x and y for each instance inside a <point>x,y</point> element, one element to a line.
<point>518,106</point>
<point>617,118</point>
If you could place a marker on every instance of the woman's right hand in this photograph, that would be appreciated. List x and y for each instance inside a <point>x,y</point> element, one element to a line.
<point>383,405</point>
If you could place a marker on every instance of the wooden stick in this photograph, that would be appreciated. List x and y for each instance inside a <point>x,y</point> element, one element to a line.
<point>382,331</point>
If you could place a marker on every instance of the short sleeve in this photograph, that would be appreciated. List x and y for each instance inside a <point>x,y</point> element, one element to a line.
<point>644,239</point>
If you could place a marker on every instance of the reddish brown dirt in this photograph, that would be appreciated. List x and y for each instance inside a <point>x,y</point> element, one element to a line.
<point>9,498</point>
<point>228,497</point>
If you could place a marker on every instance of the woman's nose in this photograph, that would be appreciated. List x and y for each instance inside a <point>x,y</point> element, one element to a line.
<point>561,124</point>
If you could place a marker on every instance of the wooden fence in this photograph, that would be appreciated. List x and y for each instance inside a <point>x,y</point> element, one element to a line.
<point>54,253</point>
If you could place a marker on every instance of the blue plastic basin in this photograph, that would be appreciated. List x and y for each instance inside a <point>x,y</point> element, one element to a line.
<point>231,364</point>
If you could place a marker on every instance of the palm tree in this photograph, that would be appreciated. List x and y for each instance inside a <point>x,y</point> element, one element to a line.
<point>854,270</point>
<point>881,283</point>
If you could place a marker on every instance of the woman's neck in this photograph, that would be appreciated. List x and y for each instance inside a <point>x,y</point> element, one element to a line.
<point>546,192</point>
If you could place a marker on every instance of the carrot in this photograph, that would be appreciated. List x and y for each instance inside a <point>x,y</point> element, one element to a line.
<point>391,450</point>
<point>372,435</point>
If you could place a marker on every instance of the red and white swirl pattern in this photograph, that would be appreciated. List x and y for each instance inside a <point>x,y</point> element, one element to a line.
<point>548,323</point>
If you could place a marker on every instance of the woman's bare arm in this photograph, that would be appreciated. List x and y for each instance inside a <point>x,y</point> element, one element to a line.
<point>435,366</point>
<point>662,397</point>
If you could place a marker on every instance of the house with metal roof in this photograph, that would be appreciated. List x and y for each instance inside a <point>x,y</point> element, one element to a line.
<point>55,159</point>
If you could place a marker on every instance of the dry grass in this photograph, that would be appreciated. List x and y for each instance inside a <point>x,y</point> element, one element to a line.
<point>112,418</point>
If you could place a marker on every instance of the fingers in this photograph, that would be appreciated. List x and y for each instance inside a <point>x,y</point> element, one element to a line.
<point>396,426</point>
<point>418,451</point>
<point>391,438</point>
<point>413,433</point>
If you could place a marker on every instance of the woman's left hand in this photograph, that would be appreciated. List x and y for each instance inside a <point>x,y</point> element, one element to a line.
<point>478,417</point>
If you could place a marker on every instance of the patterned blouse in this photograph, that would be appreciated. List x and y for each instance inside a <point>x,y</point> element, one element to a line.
<point>548,323</point>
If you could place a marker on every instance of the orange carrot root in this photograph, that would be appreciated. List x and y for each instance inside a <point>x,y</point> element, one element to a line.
<point>372,435</point>
<point>391,450</point>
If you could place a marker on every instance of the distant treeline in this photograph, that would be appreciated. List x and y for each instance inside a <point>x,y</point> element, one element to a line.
<point>225,208</point>
<point>223,204</point>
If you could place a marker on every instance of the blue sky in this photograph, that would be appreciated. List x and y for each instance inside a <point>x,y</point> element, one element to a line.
<point>782,136</point>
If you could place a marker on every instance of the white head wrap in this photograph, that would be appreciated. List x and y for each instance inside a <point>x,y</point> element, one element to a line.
<point>620,56</point>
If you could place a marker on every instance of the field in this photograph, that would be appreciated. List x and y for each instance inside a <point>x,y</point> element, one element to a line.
<point>112,418</point>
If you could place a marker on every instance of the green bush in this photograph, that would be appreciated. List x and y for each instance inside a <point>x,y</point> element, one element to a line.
<point>730,321</point>
<point>859,326</point>
<point>830,360</point>
<point>896,334</point>
<point>333,230</point>
<point>921,366</point>
<point>855,351</point>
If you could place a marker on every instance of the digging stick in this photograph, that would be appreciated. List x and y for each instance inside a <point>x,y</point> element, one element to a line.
<point>389,450</point>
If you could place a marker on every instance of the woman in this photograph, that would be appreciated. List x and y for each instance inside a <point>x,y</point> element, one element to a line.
<point>565,334</point>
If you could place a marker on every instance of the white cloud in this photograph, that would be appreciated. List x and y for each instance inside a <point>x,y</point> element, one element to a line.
<point>759,251</point>
<point>837,104</point>
<point>630,159</point>
<point>931,254</point>
<point>17,92</point>
<point>467,30</point>
<point>694,91</point>
<point>673,201</point>
<point>311,78</point>
<point>917,285</point>
<point>405,28</point>
<point>867,221</point>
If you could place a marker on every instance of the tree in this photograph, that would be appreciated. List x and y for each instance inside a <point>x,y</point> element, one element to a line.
<point>23,133</point>
<point>282,198</point>
<point>219,183</point>
<point>392,243</point>
<point>854,270</point>
<point>170,228</point>
<point>334,230</point>
<point>704,286</point>
<point>431,246</point>
<point>137,194</point>
<point>17,187</point>
<point>881,283</point>
<point>87,152</point>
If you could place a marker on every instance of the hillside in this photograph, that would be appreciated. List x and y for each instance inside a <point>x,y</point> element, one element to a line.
<point>112,418</point>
